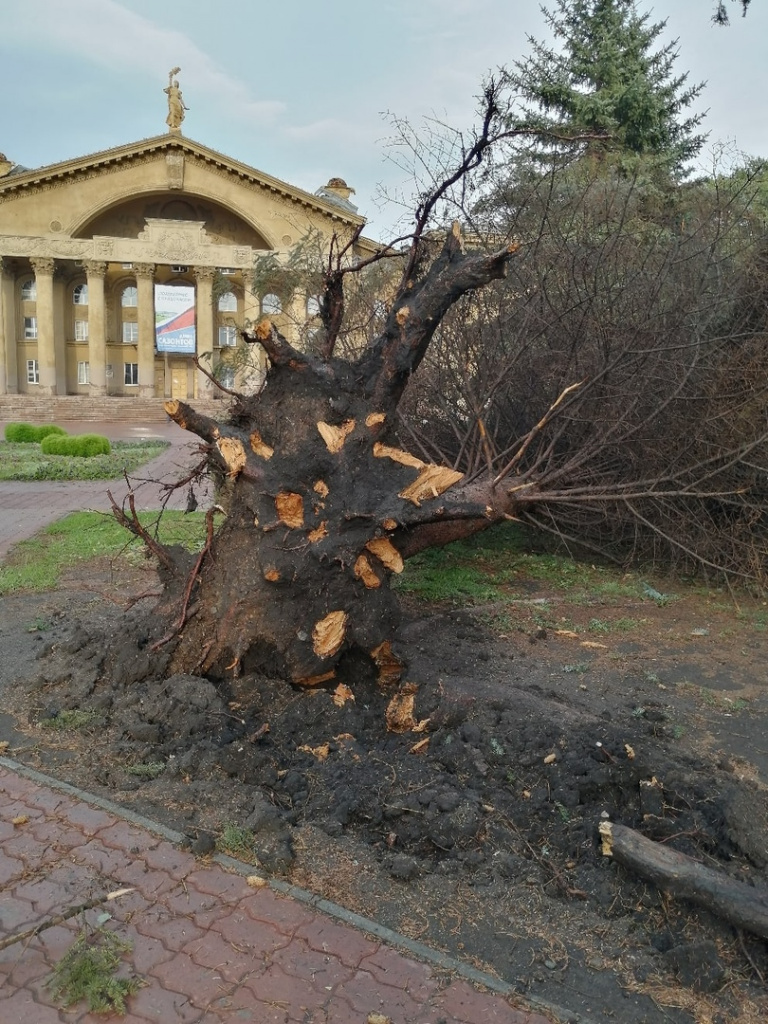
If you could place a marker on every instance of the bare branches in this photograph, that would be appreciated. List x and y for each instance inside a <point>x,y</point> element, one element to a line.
<point>132,523</point>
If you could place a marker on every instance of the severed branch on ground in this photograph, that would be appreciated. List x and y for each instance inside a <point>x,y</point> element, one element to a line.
<point>65,915</point>
<point>681,876</point>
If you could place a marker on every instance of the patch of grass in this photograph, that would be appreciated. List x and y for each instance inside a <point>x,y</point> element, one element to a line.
<point>87,971</point>
<point>580,667</point>
<point>432,578</point>
<point>67,721</point>
<point>37,563</point>
<point>149,770</point>
<point>27,461</point>
<point>237,842</point>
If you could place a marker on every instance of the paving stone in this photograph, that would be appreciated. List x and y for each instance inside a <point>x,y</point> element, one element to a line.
<point>259,936</point>
<point>54,942</point>
<point>281,911</point>
<point>21,1008</point>
<point>47,895</point>
<point>124,836</point>
<point>324,935</point>
<point>201,908</point>
<point>16,914</point>
<point>367,995</point>
<point>54,833</point>
<point>165,857</point>
<point>200,985</point>
<point>233,963</point>
<point>15,787</point>
<point>151,884</point>
<point>21,809</point>
<point>157,1004</point>
<point>174,933</point>
<point>106,861</point>
<point>390,967</point>
<point>323,969</point>
<point>10,868</point>
<point>216,882</point>
<point>50,801</point>
<point>89,820</point>
<point>292,995</point>
<point>25,846</point>
<point>461,1002</point>
<point>147,952</point>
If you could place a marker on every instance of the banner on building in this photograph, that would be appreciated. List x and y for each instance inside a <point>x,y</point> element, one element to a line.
<point>175,318</point>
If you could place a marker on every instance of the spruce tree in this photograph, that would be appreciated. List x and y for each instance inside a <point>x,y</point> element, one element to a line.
<point>604,76</point>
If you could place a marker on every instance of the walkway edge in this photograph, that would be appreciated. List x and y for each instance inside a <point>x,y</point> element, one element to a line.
<point>392,938</point>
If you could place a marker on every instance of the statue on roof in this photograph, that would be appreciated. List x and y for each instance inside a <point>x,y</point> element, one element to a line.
<point>176,105</point>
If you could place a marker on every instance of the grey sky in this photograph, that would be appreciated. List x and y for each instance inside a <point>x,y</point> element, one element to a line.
<point>297,88</point>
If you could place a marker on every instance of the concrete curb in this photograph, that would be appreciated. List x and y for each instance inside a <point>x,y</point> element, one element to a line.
<point>333,910</point>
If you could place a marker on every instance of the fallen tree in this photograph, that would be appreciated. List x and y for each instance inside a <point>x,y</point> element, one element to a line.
<point>323,503</point>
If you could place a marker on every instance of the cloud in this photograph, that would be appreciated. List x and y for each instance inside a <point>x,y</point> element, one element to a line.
<point>106,34</point>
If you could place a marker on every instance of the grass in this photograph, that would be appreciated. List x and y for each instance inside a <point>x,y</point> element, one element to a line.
<point>66,721</point>
<point>37,563</point>
<point>237,842</point>
<point>150,770</point>
<point>87,971</point>
<point>497,565</point>
<point>27,461</point>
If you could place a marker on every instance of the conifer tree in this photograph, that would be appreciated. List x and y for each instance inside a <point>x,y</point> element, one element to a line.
<point>604,76</point>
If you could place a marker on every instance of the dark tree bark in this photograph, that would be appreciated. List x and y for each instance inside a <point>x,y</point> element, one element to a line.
<point>322,507</point>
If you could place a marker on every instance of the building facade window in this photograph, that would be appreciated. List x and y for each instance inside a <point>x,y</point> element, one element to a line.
<point>33,372</point>
<point>271,304</point>
<point>83,373</point>
<point>29,291</point>
<point>313,306</point>
<point>81,330</point>
<point>226,376</point>
<point>80,295</point>
<point>228,303</point>
<point>131,374</point>
<point>129,296</point>
<point>30,326</point>
<point>130,332</point>
<point>227,336</point>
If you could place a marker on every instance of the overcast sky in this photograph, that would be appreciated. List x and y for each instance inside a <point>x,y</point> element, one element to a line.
<point>298,88</point>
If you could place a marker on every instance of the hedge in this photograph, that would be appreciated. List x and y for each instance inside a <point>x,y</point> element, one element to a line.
<point>83,445</point>
<point>25,433</point>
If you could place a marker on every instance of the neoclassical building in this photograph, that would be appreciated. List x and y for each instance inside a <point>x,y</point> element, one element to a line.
<point>117,268</point>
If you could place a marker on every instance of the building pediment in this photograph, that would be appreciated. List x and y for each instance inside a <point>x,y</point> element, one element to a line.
<point>176,154</point>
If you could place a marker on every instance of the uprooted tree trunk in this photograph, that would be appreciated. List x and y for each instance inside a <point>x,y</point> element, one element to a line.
<point>322,508</point>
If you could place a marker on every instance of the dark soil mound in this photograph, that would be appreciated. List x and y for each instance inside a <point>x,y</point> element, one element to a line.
<point>473,828</point>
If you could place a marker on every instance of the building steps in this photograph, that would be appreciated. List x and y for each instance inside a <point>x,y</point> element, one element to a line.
<point>61,409</point>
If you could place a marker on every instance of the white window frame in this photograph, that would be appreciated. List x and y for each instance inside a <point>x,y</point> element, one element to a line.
<point>83,372</point>
<point>130,332</point>
<point>131,375</point>
<point>227,336</point>
<point>29,290</point>
<point>133,298</point>
<point>228,302</point>
<point>81,330</point>
<point>33,371</point>
<point>179,268</point>
<point>313,306</point>
<point>80,295</point>
<point>30,327</point>
<point>227,271</point>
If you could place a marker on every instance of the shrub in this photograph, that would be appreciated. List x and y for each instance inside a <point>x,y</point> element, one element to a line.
<point>26,433</point>
<point>83,445</point>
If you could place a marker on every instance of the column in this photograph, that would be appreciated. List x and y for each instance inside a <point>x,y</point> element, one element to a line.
<point>97,328</point>
<point>9,372</point>
<point>204,315</point>
<point>145,279</point>
<point>251,316</point>
<point>43,267</point>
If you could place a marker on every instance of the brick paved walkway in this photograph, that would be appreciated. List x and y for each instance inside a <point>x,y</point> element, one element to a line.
<point>210,947</point>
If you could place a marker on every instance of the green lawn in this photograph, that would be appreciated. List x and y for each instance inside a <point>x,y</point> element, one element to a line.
<point>27,462</point>
<point>37,563</point>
